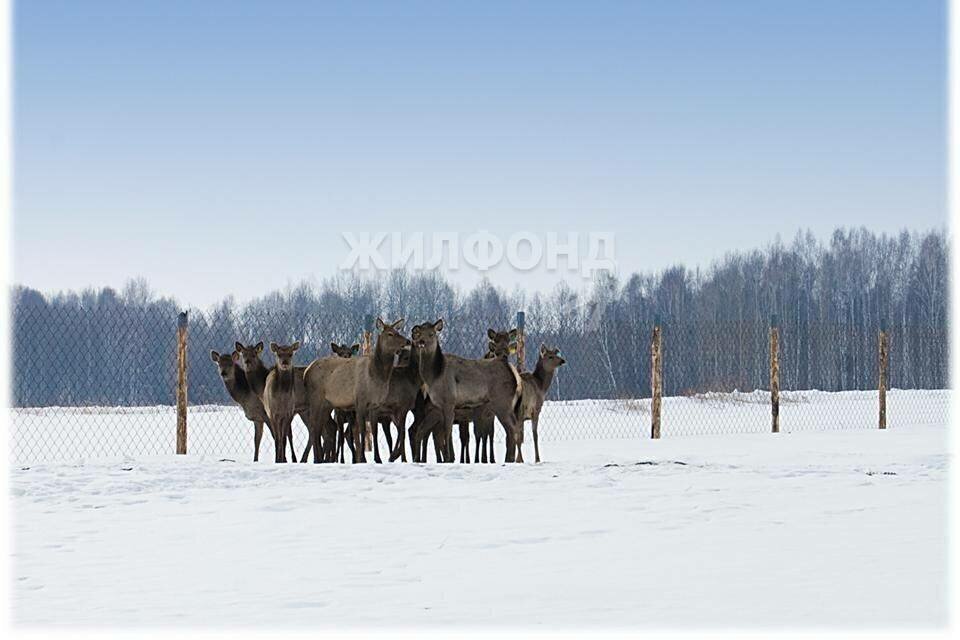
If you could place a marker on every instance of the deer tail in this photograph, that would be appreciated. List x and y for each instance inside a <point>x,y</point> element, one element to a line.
<point>517,391</point>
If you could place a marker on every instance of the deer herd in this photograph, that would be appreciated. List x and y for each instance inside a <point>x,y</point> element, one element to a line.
<point>341,396</point>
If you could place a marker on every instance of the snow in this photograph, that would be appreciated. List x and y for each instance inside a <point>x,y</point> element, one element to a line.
<point>805,529</point>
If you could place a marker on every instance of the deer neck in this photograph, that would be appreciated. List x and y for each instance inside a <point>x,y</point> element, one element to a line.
<point>257,379</point>
<point>285,379</point>
<point>381,364</point>
<point>238,387</point>
<point>543,377</point>
<point>430,365</point>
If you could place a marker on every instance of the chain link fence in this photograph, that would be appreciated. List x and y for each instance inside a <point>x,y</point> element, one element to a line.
<point>101,381</point>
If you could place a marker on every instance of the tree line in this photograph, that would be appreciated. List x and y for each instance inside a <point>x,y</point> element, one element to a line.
<point>829,299</point>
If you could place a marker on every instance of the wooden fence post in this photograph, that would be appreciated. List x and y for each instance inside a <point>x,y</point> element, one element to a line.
<point>775,373</point>
<point>521,349</point>
<point>182,383</point>
<point>656,380</point>
<point>366,348</point>
<point>884,349</point>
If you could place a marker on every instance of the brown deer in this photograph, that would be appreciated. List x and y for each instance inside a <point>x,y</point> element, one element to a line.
<point>279,396</point>
<point>374,381</point>
<point>450,382</point>
<point>235,380</point>
<point>534,392</point>
<point>500,345</point>
<point>257,372</point>
<point>355,384</point>
<point>345,419</point>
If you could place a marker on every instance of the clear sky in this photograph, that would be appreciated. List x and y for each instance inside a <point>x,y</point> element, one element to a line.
<point>222,148</point>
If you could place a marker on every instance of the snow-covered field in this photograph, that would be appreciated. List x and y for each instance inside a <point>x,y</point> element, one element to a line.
<point>799,529</point>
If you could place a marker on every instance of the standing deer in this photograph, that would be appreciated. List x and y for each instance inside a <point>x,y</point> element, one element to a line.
<point>374,382</point>
<point>534,392</point>
<point>355,384</point>
<point>346,419</point>
<point>500,345</point>
<point>450,382</point>
<point>235,380</point>
<point>342,418</point>
<point>279,396</point>
<point>257,373</point>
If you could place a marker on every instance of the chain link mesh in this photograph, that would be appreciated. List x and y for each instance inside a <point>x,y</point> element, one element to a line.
<point>98,380</point>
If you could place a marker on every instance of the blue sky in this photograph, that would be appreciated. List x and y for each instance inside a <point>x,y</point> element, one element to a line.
<point>222,148</point>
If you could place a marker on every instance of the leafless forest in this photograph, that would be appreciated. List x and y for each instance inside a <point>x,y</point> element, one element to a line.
<point>109,347</point>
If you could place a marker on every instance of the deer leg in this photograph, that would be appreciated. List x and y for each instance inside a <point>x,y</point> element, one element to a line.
<point>536,443</point>
<point>281,441</point>
<point>446,430</point>
<point>464,427</point>
<point>400,451</point>
<point>400,442</point>
<point>376,440</point>
<point>514,434</point>
<point>257,435</point>
<point>309,421</point>
<point>359,430</point>
<point>414,451</point>
<point>476,450</point>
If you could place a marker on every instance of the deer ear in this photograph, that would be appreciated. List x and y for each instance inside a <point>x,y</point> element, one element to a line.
<point>438,325</point>
<point>355,349</point>
<point>215,356</point>
<point>295,345</point>
<point>543,349</point>
<point>513,334</point>
<point>273,347</point>
<point>491,334</point>
<point>333,347</point>
<point>238,346</point>
<point>260,347</point>
<point>398,325</point>
<point>380,324</point>
<point>236,357</point>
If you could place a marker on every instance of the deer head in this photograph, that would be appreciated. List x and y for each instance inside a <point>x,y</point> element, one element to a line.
<point>284,354</point>
<point>501,343</point>
<point>550,359</point>
<point>225,364</point>
<point>390,340</point>
<point>426,336</point>
<point>344,351</point>
<point>249,356</point>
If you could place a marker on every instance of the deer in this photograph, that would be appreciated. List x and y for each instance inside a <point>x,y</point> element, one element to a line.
<point>500,345</point>
<point>450,381</point>
<point>343,418</point>
<point>346,419</point>
<point>235,381</point>
<point>358,384</point>
<point>535,386</point>
<point>257,372</point>
<point>280,396</point>
<point>374,382</point>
